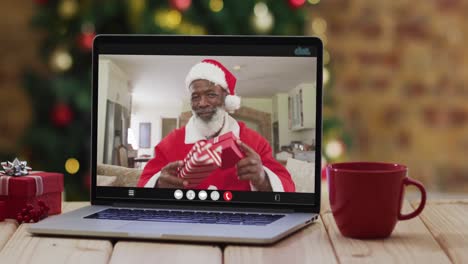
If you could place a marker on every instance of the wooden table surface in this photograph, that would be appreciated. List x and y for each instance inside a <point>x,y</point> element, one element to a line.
<point>438,235</point>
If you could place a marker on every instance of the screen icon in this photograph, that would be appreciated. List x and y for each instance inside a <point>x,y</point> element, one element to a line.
<point>300,51</point>
<point>190,195</point>
<point>277,197</point>
<point>227,196</point>
<point>214,195</point>
<point>202,195</point>
<point>178,194</point>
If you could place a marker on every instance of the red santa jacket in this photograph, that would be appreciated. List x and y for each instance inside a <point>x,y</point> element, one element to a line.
<point>173,148</point>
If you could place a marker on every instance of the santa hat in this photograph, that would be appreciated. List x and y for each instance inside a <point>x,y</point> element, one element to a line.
<point>215,72</point>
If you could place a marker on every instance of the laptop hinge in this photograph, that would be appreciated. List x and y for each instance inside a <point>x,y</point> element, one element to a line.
<point>203,208</point>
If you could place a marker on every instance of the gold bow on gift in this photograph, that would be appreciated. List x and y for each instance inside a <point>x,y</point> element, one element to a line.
<point>15,168</point>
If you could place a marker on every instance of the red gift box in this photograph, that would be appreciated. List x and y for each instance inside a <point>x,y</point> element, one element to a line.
<point>2,210</point>
<point>206,156</point>
<point>226,145</point>
<point>202,162</point>
<point>19,191</point>
<point>199,164</point>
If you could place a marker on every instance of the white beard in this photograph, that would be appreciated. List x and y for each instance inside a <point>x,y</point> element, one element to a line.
<point>209,128</point>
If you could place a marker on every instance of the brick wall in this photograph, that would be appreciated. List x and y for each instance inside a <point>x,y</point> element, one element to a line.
<point>400,80</point>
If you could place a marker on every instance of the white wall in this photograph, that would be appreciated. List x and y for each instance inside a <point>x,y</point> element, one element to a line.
<point>113,85</point>
<point>260,104</point>
<point>186,105</point>
<point>103,80</point>
<point>152,113</point>
<point>280,101</point>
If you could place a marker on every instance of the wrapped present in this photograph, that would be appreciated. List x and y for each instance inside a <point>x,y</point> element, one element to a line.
<point>209,155</point>
<point>198,164</point>
<point>15,168</point>
<point>19,191</point>
<point>2,210</point>
<point>226,144</point>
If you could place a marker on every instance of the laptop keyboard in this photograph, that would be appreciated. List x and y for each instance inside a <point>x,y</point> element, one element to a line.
<point>186,216</point>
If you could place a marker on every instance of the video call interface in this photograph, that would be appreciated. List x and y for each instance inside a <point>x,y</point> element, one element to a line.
<point>206,128</point>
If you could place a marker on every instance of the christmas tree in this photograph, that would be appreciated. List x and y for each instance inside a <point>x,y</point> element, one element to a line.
<point>59,136</point>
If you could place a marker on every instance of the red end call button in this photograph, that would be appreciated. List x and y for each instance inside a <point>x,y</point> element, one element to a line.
<point>227,196</point>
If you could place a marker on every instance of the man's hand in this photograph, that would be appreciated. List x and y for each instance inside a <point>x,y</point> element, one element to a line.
<point>251,169</point>
<point>168,177</point>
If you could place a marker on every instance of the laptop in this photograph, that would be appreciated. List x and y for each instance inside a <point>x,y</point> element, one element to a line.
<point>210,138</point>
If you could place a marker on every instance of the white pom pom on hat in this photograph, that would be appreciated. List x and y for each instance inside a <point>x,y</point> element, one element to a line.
<point>215,72</point>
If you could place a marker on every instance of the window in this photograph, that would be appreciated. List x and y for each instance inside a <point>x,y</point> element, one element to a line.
<point>145,135</point>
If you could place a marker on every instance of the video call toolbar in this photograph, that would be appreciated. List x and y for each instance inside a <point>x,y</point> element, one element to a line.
<point>202,195</point>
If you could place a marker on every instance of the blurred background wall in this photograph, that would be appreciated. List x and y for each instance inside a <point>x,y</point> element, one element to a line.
<point>17,50</point>
<point>401,83</point>
<point>396,75</point>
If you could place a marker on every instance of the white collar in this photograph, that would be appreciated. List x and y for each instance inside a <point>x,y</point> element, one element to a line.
<point>192,134</point>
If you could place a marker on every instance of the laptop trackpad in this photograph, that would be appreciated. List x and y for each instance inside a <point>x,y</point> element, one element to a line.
<point>150,229</point>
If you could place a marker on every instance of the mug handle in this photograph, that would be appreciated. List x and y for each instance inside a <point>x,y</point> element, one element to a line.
<point>409,181</point>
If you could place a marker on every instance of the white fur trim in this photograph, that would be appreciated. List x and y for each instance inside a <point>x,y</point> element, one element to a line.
<point>192,135</point>
<point>275,182</point>
<point>232,103</point>
<point>206,71</point>
<point>152,181</point>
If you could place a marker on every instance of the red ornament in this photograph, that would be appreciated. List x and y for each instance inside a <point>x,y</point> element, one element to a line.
<point>61,115</point>
<point>85,41</point>
<point>180,5</point>
<point>29,214</point>
<point>295,4</point>
<point>87,181</point>
<point>324,174</point>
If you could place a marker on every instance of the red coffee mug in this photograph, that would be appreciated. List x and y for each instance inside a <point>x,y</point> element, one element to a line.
<point>366,197</point>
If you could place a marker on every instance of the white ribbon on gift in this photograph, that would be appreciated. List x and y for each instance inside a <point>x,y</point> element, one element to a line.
<point>4,182</point>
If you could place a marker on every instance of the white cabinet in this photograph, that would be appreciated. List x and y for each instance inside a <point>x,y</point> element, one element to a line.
<point>301,107</point>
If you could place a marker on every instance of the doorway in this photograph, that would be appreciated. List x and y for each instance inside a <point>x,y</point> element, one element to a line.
<point>168,124</point>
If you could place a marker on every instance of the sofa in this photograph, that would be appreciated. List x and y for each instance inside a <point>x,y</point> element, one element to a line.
<point>303,174</point>
<point>112,175</point>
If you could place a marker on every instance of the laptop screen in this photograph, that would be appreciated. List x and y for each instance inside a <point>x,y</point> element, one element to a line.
<point>215,120</point>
